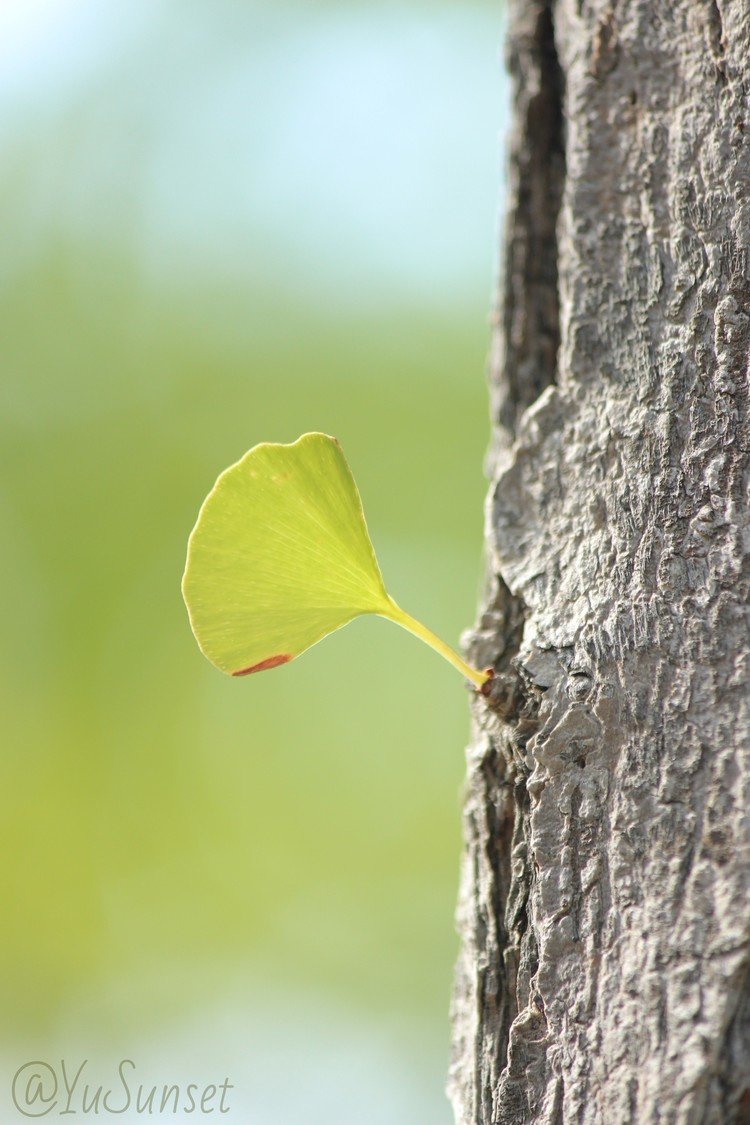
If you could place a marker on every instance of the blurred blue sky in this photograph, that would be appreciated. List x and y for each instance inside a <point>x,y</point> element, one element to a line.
<point>353,146</point>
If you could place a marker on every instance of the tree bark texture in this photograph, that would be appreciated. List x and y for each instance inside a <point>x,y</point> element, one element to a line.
<point>604,912</point>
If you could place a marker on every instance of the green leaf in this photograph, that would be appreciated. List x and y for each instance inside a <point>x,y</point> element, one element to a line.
<point>280,557</point>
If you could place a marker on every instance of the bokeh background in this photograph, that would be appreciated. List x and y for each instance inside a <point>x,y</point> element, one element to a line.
<point>223,222</point>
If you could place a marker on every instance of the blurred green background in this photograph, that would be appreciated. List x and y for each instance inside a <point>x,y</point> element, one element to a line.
<point>225,222</point>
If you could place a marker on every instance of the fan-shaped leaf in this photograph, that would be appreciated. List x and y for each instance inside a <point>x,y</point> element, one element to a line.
<point>280,557</point>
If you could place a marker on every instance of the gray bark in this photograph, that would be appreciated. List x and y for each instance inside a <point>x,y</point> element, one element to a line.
<point>604,910</point>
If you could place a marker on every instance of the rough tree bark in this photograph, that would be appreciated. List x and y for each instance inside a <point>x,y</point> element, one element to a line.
<point>604,911</point>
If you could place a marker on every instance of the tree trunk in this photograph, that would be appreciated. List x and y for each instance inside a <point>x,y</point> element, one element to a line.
<point>604,912</point>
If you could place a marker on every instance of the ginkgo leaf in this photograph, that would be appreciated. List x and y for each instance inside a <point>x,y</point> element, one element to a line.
<point>280,557</point>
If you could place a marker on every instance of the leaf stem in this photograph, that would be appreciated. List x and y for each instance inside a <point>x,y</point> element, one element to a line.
<point>406,621</point>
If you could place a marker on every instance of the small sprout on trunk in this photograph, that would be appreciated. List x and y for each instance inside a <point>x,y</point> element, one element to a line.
<point>280,557</point>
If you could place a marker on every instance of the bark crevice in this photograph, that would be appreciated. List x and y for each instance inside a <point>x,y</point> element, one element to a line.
<point>526,334</point>
<point>500,954</point>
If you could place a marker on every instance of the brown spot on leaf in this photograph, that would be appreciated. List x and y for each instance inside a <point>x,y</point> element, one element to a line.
<point>269,662</point>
